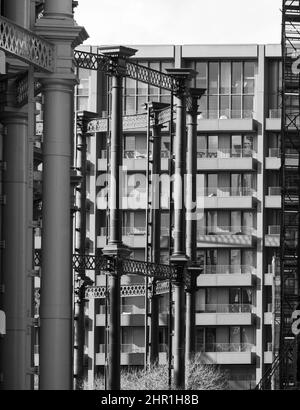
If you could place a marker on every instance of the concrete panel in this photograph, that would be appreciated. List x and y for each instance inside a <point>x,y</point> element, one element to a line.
<point>220,51</point>
<point>273,124</point>
<point>224,319</point>
<point>272,240</point>
<point>225,280</point>
<point>273,50</point>
<point>235,164</point>
<point>154,51</point>
<point>227,357</point>
<point>229,125</point>
<point>268,279</point>
<point>268,318</point>
<point>268,357</point>
<point>273,163</point>
<point>102,164</point>
<point>273,201</point>
<point>232,202</point>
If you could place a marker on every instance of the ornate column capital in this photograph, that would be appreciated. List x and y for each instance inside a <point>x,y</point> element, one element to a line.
<point>181,77</point>
<point>192,101</point>
<point>117,57</point>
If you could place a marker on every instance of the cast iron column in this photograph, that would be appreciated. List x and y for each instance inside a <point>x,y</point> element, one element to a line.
<point>15,347</point>
<point>115,246</point>
<point>56,311</point>
<point>179,258</point>
<point>155,227</point>
<point>191,220</point>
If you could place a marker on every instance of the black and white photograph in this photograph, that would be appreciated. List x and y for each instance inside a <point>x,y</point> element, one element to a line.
<point>149,199</point>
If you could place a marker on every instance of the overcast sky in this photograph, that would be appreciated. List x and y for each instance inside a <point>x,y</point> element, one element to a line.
<point>180,21</point>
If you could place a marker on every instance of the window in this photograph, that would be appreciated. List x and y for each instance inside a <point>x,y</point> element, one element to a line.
<point>136,93</point>
<point>274,88</point>
<point>230,88</point>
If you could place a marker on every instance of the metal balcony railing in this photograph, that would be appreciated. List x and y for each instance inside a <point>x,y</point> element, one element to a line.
<point>225,230</point>
<point>226,153</point>
<point>226,191</point>
<point>274,190</point>
<point>226,308</point>
<point>228,269</point>
<point>274,230</point>
<point>225,347</point>
<point>225,114</point>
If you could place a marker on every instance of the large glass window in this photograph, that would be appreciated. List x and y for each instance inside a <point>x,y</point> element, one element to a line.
<point>230,88</point>
<point>136,93</point>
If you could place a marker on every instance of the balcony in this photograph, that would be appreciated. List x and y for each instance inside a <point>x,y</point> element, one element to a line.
<point>273,122</point>
<point>273,160</point>
<point>225,236</point>
<point>226,159</point>
<point>273,199</point>
<point>226,197</point>
<point>226,275</point>
<point>131,315</point>
<point>135,160</point>
<point>236,120</point>
<point>131,354</point>
<point>268,355</point>
<point>291,157</point>
<point>227,353</point>
<point>224,314</point>
<point>272,238</point>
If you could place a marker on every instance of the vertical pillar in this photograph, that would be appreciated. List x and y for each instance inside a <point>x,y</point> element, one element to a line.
<point>56,310</point>
<point>155,226</point>
<point>115,246</point>
<point>15,349</point>
<point>179,258</point>
<point>13,352</point>
<point>191,220</point>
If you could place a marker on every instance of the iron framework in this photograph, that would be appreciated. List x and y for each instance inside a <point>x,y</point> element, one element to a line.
<point>26,46</point>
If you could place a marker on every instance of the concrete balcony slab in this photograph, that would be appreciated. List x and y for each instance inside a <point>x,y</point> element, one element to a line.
<point>215,280</point>
<point>224,319</point>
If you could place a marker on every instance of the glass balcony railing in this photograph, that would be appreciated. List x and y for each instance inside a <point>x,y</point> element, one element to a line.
<point>225,230</point>
<point>226,191</point>
<point>225,347</point>
<point>133,230</point>
<point>274,153</point>
<point>226,153</point>
<point>226,114</point>
<point>228,269</point>
<point>275,113</point>
<point>226,308</point>
<point>125,348</point>
<point>274,190</point>
<point>274,230</point>
<point>135,154</point>
<point>125,309</point>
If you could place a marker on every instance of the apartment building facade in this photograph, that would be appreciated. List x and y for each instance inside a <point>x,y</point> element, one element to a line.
<point>238,201</point>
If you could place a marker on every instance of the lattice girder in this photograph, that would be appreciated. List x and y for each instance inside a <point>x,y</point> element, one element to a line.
<point>26,46</point>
